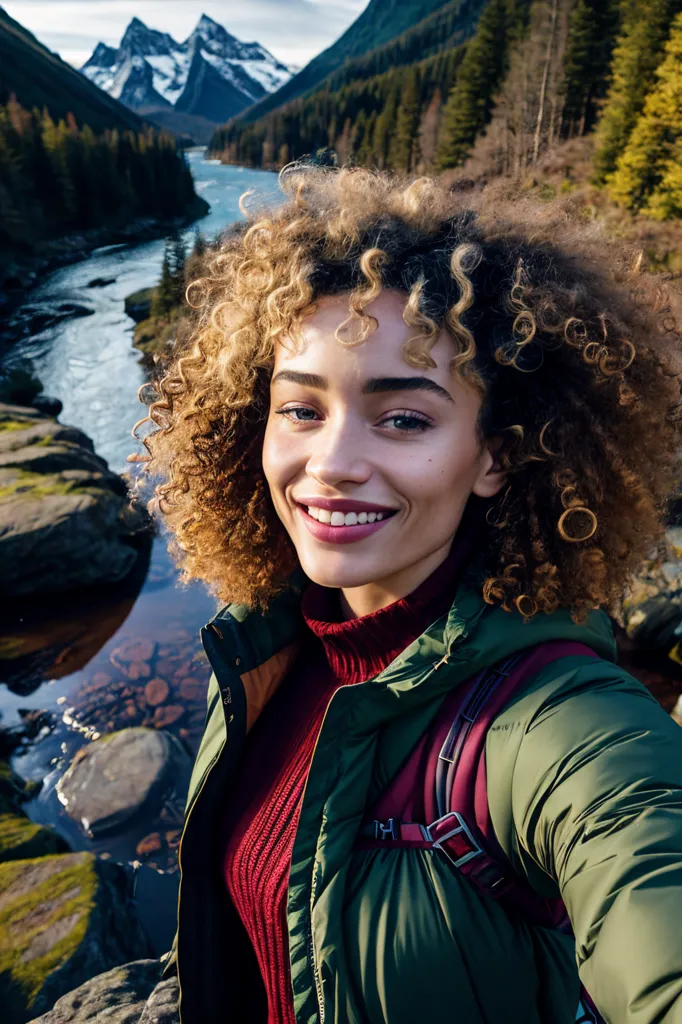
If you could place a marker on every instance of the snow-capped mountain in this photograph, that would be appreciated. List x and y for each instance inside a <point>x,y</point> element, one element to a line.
<point>212,74</point>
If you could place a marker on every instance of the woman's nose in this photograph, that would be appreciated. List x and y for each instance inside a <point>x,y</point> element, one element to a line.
<point>338,453</point>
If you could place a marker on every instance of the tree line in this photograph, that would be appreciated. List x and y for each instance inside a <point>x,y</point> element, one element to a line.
<point>530,75</point>
<point>57,178</point>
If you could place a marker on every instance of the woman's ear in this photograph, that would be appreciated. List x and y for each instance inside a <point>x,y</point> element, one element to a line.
<point>491,477</point>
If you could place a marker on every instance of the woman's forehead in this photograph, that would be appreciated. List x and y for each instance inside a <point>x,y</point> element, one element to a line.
<point>383,346</point>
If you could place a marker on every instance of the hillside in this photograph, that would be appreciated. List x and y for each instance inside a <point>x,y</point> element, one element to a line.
<point>356,109</point>
<point>39,78</point>
<point>380,22</point>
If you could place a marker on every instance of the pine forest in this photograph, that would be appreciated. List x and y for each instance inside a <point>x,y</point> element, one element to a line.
<point>490,89</point>
<point>57,177</point>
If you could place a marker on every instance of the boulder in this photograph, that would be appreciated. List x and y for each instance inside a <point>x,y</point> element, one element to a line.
<point>47,404</point>
<point>19,836</point>
<point>65,518</point>
<point>131,994</point>
<point>118,776</point>
<point>63,920</point>
<point>138,306</point>
<point>101,282</point>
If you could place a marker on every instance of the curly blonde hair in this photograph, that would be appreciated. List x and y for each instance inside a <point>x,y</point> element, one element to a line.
<point>570,354</point>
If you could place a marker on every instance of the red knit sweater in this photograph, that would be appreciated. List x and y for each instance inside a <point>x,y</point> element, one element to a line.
<point>263,815</point>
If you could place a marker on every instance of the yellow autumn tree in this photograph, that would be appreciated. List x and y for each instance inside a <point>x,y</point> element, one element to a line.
<point>648,175</point>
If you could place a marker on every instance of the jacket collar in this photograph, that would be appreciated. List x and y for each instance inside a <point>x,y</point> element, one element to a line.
<point>473,635</point>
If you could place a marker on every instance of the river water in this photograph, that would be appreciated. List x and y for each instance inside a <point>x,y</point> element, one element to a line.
<point>89,662</point>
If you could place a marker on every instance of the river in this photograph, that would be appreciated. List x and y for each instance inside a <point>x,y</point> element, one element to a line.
<point>94,657</point>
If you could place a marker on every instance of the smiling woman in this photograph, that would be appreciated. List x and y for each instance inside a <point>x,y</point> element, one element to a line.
<point>419,447</point>
<point>415,464</point>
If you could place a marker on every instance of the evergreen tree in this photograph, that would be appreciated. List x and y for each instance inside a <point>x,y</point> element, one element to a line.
<point>383,127</point>
<point>647,176</point>
<point>428,130</point>
<point>638,51</point>
<point>165,296</point>
<point>470,103</point>
<point>177,269</point>
<point>404,140</point>
<point>591,36</point>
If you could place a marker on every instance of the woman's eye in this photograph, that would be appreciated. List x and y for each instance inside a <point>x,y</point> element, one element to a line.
<point>404,423</point>
<point>408,423</point>
<point>297,408</point>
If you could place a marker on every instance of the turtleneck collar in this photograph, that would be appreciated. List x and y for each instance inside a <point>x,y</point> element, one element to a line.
<point>358,649</point>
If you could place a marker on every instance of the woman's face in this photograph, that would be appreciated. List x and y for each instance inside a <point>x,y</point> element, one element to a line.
<point>392,452</point>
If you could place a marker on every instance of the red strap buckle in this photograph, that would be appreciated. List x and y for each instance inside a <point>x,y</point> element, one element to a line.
<point>452,828</point>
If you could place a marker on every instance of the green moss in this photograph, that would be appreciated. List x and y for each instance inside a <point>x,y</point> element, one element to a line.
<point>38,485</point>
<point>143,295</point>
<point>44,442</point>
<point>17,931</point>
<point>21,838</point>
<point>16,424</point>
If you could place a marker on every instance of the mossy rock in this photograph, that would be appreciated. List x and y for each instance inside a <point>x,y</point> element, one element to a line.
<point>20,837</point>
<point>138,305</point>
<point>63,920</point>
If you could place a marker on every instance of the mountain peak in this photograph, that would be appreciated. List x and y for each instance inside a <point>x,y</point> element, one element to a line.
<point>209,30</point>
<point>140,40</point>
<point>211,73</point>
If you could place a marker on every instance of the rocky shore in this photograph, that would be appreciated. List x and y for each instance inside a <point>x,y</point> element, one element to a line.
<point>66,520</point>
<point>72,920</point>
<point>20,275</point>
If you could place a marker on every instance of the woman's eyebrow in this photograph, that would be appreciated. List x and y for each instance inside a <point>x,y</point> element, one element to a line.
<point>372,385</point>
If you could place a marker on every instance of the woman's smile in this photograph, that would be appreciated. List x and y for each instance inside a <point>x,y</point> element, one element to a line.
<point>339,527</point>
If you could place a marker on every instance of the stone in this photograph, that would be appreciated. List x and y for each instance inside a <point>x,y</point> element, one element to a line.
<point>64,919</point>
<point>121,775</point>
<point>101,282</point>
<point>167,715</point>
<point>149,845</point>
<point>20,837</point>
<point>193,690</point>
<point>138,305</point>
<point>132,651</point>
<point>118,996</point>
<point>65,519</point>
<point>156,691</point>
<point>121,996</point>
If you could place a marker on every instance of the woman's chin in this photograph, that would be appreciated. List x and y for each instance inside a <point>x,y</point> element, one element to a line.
<point>343,577</point>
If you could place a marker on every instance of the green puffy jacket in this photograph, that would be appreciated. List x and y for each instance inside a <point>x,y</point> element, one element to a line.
<point>584,774</point>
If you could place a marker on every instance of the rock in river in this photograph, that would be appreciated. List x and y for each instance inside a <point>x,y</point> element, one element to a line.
<point>63,920</point>
<point>65,519</point>
<point>119,775</point>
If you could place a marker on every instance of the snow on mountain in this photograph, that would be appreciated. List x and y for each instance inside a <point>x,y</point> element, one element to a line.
<point>212,73</point>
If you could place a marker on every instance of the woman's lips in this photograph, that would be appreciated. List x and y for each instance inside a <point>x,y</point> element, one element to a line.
<point>339,534</point>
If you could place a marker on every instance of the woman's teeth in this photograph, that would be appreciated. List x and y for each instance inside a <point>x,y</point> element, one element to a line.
<point>323,515</point>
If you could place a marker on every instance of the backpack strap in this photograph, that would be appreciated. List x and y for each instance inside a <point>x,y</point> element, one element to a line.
<point>443,782</point>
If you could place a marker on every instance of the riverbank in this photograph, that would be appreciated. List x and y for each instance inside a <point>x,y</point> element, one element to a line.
<point>24,273</point>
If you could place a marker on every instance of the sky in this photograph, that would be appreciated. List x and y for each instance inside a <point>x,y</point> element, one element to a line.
<point>293,30</point>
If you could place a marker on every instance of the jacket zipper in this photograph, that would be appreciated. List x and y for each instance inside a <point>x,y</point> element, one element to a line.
<point>311,951</point>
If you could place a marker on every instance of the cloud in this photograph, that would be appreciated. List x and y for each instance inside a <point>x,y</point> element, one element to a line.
<point>293,30</point>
